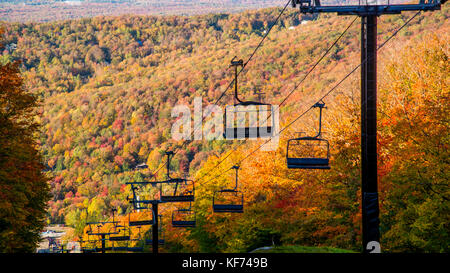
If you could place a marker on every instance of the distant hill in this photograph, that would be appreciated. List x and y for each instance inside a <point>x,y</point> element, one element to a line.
<point>51,10</point>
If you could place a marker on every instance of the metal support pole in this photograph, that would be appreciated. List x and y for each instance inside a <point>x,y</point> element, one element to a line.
<point>103,243</point>
<point>168,164</point>
<point>155,228</point>
<point>368,14</point>
<point>235,81</point>
<point>370,209</point>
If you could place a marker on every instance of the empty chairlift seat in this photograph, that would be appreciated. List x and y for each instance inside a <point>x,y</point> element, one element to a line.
<point>229,200</point>
<point>235,205</point>
<point>183,218</point>
<point>141,222</point>
<point>161,240</point>
<point>247,119</point>
<point>182,190</point>
<point>309,152</point>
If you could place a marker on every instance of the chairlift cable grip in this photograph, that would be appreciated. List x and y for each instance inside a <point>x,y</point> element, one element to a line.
<point>236,64</point>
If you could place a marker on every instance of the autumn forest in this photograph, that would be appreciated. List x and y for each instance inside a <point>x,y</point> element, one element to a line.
<point>104,90</point>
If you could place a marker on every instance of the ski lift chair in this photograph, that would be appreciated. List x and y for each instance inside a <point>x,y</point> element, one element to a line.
<point>183,191</point>
<point>233,128</point>
<point>184,187</point>
<point>222,201</point>
<point>144,222</point>
<point>184,218</point>
<point>125,236</point>
<point>161,240</point>
<point>134,248</point>
<point>320,148</point>
<point>139,205</point>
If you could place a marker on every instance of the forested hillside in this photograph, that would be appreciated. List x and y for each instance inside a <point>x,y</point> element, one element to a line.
<point>108,85</point>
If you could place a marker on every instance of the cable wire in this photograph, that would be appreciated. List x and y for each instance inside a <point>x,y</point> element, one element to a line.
<point>231,83</point>
<point>324,96</point>
<point>296,86</point>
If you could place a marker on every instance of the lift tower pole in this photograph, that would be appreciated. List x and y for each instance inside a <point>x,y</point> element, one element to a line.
<point>155,228</point>
<point>103,244</point>
<point>368,11</point>
<point>370,208</point>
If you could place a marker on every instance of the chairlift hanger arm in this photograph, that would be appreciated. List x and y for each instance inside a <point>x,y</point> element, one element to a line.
<point>169,153</point>
<point>236,64</point>
<point>175,189</point>
<point>319,105</point>
<point>236,185</point>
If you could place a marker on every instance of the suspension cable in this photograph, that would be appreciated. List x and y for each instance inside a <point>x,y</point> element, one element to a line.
<point>324,96</point>
<point>295,87</point>
<point>231,83</point>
